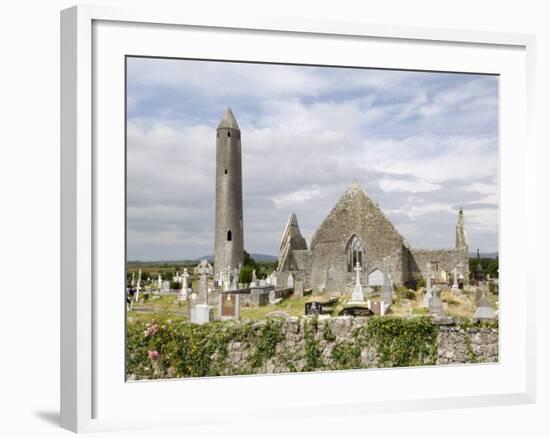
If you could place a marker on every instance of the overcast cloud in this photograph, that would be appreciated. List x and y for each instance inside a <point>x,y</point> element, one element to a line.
<point>421,144</point>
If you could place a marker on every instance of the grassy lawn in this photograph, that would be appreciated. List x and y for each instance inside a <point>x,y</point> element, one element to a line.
<point>167,306</point>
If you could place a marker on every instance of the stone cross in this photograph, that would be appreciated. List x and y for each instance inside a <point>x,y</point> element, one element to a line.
<point>185,276</point>
<point>428,278</point>
<point>234,279</point>
<point>357,294</point>
<point>133,281</point>
<point>203,270</point>
<point>435,305</point>
<point>455,280</point>
<point>428,294</point>
<point>460,272</point>
<point>160,281</point>
<point>253,278</point>
<point>138,287</point>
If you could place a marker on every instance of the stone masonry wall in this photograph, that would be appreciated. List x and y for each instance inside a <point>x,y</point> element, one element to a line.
<point>309,344</point>
<point>447,259</point>
<point>455,345</point>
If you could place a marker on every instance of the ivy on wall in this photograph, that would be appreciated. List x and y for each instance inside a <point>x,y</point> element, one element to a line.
<point>166,349</point>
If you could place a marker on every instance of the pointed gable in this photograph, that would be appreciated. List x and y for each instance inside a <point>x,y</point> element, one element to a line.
<point>292,240</point>
<point>355,213</point>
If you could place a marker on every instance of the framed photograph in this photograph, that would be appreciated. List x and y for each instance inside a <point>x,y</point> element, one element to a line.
<point>251,209</point>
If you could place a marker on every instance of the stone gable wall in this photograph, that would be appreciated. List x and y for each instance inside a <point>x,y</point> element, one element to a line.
<point>356,214</point>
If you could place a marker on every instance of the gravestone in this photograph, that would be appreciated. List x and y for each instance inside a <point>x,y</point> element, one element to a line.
<point>259,296</point>
<point>254,279</point>
<point>185,284</point>
<point>201,314</point>
<point>290,281</point>
<point>264,282</point>
<point>229,306</point>
<point>375,307</point>
<point>428,294</point>
<point>356,311</point>
<point>202,270</point>
<point>375,278</point>
<point>138,286</point>
<point>435,304</point>
<point>357,295</point>
<point>484,309</point>
<point>166,286</point>
<point>313,308</point>
<point>455,287</point>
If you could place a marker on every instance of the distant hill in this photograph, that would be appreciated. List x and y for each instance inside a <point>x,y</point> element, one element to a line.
<point>257,257</point>
<point>484,255</point>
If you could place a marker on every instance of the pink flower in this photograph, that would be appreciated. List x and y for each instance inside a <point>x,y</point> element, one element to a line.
<point>153,355</point>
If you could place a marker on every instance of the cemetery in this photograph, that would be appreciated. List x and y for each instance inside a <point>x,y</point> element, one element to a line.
<point>358,297</point>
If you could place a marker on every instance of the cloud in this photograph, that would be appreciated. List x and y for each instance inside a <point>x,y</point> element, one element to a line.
<point>421,144</point>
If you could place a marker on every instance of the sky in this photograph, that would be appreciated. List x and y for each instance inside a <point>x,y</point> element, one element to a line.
<point>421,144</point>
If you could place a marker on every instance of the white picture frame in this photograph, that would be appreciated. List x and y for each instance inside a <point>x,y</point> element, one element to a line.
<point>92,384</point>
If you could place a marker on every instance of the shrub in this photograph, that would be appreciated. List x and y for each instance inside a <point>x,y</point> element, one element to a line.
<point>245,275</point>
<point>421,282</point>
<point>404,293</point>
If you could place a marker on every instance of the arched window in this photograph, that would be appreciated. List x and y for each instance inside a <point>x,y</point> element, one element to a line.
<point>228,133</point>
<point>355,250</point>
<point>229,236</point>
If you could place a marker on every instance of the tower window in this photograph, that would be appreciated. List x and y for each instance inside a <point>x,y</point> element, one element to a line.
<point>229,236</point>
<point>228,133</point>
<point>225,171</point>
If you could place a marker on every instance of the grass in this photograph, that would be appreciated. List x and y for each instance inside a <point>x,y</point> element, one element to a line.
<point>292,306</point>
<point>453,305</point>
<point>165,306</point>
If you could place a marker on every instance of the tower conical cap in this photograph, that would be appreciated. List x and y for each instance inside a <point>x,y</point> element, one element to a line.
<point>228,120</point>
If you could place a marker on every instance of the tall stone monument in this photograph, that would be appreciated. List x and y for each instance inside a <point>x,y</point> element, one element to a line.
<point>387,287</point>
<point>228,245</point>
<point>428,294</point>
<point>357,294</point>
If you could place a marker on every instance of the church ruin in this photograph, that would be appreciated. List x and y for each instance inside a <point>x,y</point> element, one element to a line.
<point>357,233</point>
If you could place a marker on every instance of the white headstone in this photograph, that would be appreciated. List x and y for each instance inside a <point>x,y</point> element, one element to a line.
<point>201,314</point>
<point>254,279</point>
<point>234,279</point>
<point>138,287</point>
<point>357,294</point>
<point>455,281</point>
<point>290,281</point>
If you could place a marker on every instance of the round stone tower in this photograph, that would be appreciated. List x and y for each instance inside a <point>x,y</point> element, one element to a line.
<point>228,246</point>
